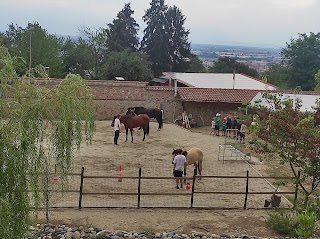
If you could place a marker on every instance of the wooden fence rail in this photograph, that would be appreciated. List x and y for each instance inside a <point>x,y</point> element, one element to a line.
<point>190,194</point>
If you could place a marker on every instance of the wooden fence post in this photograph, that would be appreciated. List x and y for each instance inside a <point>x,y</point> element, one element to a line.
<point>81,187</point>
<point>139,188</point>
<point>296,191</point>
<point>247,190</point>
<point>193,184</point>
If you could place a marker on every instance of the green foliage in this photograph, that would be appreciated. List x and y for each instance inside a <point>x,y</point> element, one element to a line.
<point>228,65</point>
<point>279,75</point>
<point>30,148</point>
<point>7,73</point>
<point>282,222</point>
<point>96,44</point>
<point>123,31</point>
<point>45,48</point>
<point>306,223</point>
<point>292,136</point>
<point>165,39</point>
<point>132,66</point>
<point>299,224</point>
<point>303,58</point>
<point>155,42</point>
<point>179,46</point>
<point>317,81</point>
<point>78,58</point>
<point>196,65</point>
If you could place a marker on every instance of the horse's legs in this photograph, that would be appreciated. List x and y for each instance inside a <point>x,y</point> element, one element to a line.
<point>196,167</point>
<point>131,136</point>
<point>144,134</point>
<point>185,174</point>
<point>199,169</point>
<point>126,134</point>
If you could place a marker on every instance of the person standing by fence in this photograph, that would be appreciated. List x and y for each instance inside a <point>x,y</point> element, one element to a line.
<point>117,128</point>
<point>217,124</point>
<point>179,164</point>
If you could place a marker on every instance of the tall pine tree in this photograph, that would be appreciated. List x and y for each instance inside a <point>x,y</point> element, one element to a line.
<point>123,31</point>
<point>166,39</point>
<point>155,42</point>
<point>180,52</point>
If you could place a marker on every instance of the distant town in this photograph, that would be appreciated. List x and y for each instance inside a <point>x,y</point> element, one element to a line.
<point>255,57</point>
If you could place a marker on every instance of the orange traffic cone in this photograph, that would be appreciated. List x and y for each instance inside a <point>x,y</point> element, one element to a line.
<point>120,174</point>
<point>188,187</point>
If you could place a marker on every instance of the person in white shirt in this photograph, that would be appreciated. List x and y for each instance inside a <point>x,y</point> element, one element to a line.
<point>179,164</point>
<point>117,129</point>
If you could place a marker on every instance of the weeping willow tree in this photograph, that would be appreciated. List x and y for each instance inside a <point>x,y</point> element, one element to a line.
<point>40,128</point>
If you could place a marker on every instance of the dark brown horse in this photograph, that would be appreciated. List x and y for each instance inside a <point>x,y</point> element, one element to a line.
<point>131,122</point>
<point>152,113</point>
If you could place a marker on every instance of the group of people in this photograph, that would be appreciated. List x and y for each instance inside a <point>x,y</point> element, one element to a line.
<point>230,121</point>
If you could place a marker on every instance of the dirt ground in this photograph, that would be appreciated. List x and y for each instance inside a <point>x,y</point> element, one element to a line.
<point>102,158</point>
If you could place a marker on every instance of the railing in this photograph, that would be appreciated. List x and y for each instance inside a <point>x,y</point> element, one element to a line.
<point>191,193</point>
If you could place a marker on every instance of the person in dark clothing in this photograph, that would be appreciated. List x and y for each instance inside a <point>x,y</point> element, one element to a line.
<point>229,123</point>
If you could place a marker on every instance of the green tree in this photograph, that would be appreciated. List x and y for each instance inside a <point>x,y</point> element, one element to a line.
<point>123,31</point>
<point>77,58</point>
<point>292,136</point>
<point>29,148</point>
<point>133,66</point>
<point>279,75</point>
<point>45,48</point>
<point>96,40</point>
<point>317,80</point>
<point>303,57</point>
<point>229,65</point>
<point>179,46</point>
<point>195,65</point>
<point>155,42</point>
<point>165,38</point>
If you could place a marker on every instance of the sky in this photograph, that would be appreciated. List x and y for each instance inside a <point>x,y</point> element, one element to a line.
<point>235,22</point>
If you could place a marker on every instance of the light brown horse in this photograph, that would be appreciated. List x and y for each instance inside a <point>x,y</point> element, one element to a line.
<point>194,156</point>
<point>131,122</point>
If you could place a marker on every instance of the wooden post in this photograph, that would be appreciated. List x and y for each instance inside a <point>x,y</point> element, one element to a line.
<point>247,190</point>
<point>193,184</point>
<point>139,188</point>
<point>81,187</point>
<point>47,199</point>
<point>296,191</point>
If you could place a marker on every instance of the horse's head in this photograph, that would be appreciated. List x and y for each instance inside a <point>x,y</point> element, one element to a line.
<point>112,124</point>
<point>129,110</point>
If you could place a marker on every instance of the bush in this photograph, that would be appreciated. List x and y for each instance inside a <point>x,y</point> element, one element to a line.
<point>306,223</point>
<point>299,224</point>
<point>283,222</point>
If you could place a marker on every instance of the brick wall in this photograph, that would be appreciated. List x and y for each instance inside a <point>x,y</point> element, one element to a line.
<point>209,109</point>
<point>115,97</point>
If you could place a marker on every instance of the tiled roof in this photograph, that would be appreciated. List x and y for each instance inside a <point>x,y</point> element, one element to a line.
<point>162,88</point>
<point>216,95</point>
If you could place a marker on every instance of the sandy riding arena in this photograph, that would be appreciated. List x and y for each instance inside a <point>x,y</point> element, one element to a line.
<point>153,156</point>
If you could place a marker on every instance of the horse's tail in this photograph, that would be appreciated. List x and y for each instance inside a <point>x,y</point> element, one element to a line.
<point>148,128</point>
